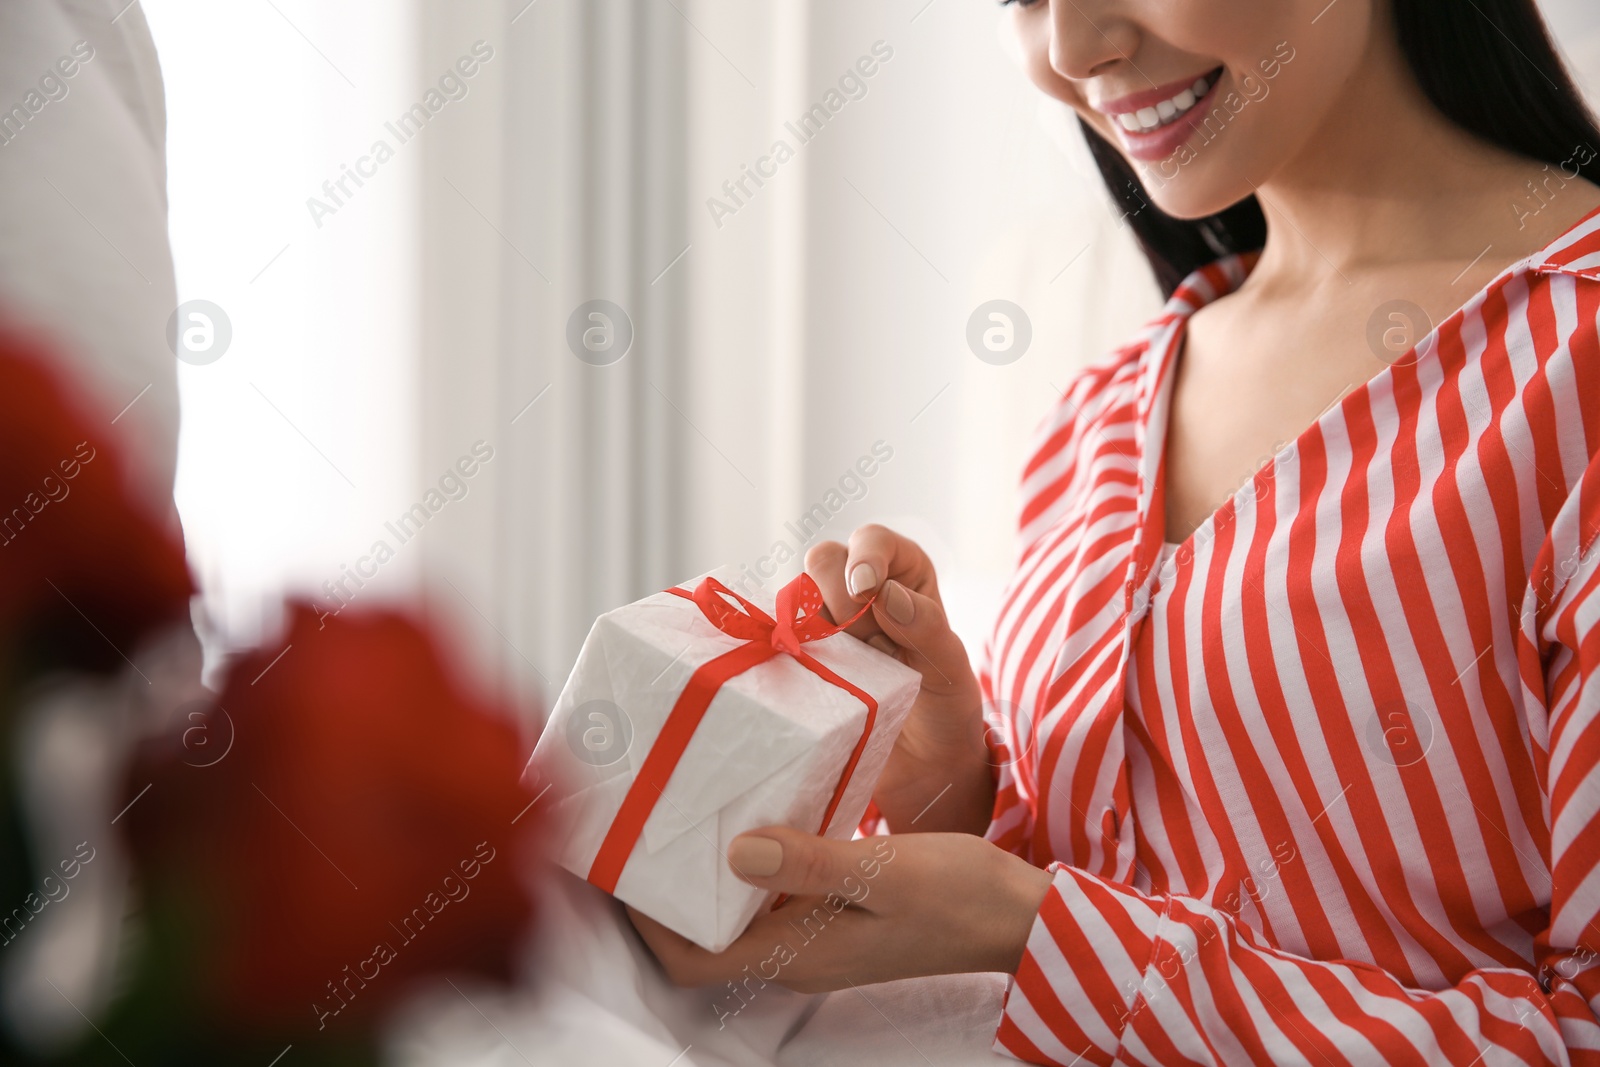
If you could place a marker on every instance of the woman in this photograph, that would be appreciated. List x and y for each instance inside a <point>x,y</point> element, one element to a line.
<point>1297,685</point>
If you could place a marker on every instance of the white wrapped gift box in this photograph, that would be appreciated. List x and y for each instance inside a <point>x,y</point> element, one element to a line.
<point>770,750</point>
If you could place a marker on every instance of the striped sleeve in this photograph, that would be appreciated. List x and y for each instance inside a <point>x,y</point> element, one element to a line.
<point>1011,822</point>
<point>1112,974</point>
<point>1102,389</point>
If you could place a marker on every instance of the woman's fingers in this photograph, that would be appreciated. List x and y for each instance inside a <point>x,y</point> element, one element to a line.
<point>917,626</point>
<point>907,619</point>
<point>686,963</point>
<point>806,865</point>
<point>849,575</point>
<point>878,554</point>
<point>891,907</point>
<point>825,563</point>
<point>683,960</point>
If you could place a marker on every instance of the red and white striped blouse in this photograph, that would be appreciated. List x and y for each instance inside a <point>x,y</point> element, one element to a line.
<point>1321,784</point>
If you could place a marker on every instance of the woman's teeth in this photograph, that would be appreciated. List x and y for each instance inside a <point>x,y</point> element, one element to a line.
<point>1149,118</point>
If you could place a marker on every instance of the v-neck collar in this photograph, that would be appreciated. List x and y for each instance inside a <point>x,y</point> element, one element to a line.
<point>1153,401</point>
<point>1576,251</point>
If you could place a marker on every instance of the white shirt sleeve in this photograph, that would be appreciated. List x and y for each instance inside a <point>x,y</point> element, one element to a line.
<point>84,256</point>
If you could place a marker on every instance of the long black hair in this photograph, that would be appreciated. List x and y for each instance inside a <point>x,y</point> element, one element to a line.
<point>1489,66</point>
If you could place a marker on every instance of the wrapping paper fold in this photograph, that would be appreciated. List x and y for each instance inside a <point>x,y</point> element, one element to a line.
<point>772,748</point>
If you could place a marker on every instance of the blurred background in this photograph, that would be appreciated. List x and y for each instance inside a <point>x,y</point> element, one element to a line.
<point>521,310</point>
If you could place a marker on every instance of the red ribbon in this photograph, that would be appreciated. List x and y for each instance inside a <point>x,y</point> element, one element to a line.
<point>800,620</point>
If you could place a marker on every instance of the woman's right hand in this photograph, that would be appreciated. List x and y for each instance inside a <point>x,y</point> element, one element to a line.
<point>938,777</point>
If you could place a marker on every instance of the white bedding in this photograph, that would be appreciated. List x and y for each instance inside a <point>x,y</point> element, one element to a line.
<point>603,1001</point>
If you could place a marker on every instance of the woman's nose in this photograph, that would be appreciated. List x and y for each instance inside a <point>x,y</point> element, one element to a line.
<point>1089,37</point>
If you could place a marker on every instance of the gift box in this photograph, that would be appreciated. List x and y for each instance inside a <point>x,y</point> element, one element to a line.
<point>696,714</point>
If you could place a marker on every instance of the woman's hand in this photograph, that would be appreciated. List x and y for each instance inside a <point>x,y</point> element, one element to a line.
<point>866,911</point>
<point>938,776</point>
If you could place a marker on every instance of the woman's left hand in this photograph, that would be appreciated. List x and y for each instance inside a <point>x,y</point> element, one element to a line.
<point>866,911</point>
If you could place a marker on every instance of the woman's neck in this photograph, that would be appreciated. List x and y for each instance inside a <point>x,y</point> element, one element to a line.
<point>1388,181</point>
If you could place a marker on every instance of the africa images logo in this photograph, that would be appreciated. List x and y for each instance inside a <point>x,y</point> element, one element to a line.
<point>851,85</point>
<point>452,85</point>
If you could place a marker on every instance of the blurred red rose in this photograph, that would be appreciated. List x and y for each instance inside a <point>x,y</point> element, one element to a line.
<point>78,554</point>
<point>347,818</point>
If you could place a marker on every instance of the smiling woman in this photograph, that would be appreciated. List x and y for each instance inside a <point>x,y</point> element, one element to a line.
<point>1301,768</point>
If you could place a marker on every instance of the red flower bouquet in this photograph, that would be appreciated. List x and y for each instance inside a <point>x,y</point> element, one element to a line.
<point>85,569</point>
<point>356,822</point>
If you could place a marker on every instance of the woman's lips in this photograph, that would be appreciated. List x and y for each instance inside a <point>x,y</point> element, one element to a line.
<point>1152,125</point>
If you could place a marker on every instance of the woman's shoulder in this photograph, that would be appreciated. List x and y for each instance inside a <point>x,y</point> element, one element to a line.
<point>1575,253</point>
<point>1544,310</point>
<point>1102,392</point>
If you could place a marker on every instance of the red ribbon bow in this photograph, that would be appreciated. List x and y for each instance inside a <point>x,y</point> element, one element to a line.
<point>799,621</point>
<point>799,608</point>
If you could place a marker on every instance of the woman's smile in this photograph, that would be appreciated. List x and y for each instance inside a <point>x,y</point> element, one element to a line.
<point>1152,124</point>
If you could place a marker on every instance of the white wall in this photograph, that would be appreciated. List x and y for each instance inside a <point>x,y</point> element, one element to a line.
<point>1576,27</point>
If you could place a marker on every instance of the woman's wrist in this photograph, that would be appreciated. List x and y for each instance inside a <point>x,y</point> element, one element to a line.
<point>1024,888</point>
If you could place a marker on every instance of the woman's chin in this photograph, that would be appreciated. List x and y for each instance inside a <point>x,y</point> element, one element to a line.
<point>1190,208</point>
<point>1190,195</point>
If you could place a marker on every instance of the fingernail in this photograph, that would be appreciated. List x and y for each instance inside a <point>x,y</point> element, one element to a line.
<point>862,578</point>
<point>755,857</point>
<point>898,602</point>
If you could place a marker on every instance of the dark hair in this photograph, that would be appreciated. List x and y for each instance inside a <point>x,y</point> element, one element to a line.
<point>1489,66</point>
